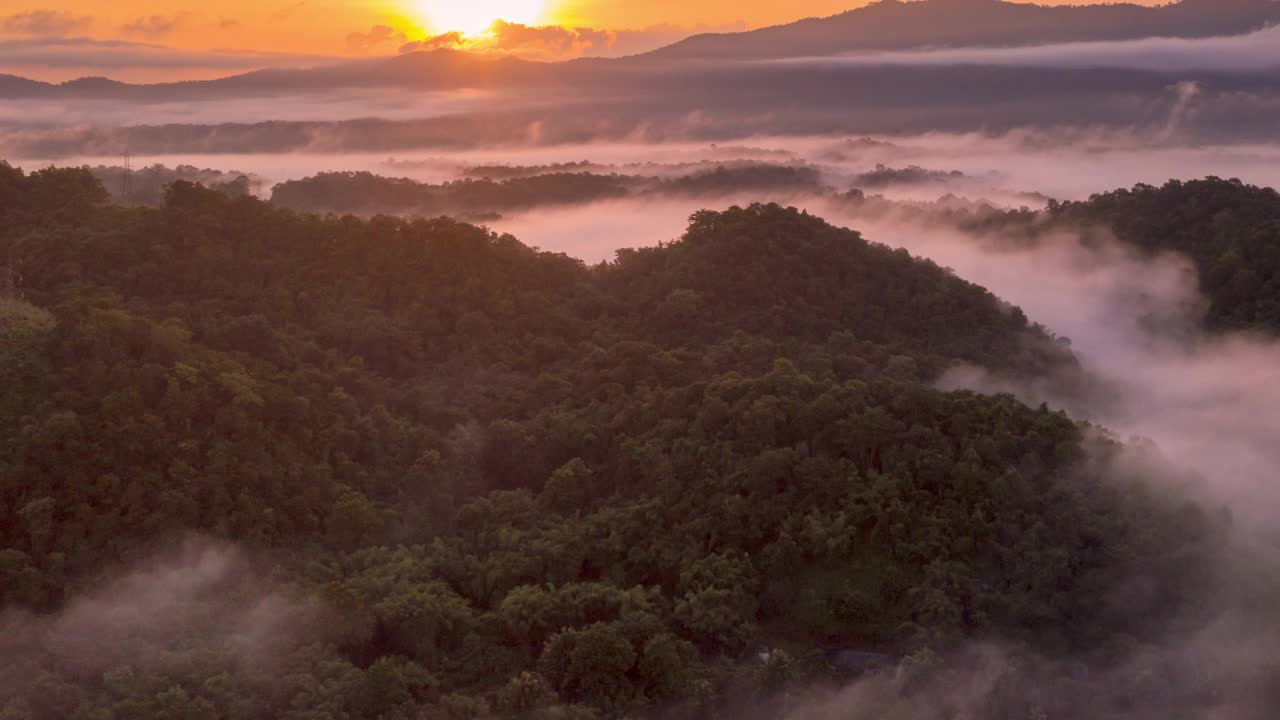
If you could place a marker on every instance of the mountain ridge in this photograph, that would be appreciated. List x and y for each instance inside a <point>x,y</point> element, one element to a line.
<point>883,25</point>
<point>898,25</point>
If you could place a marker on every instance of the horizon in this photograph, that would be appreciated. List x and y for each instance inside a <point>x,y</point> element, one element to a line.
<point>146,41</point>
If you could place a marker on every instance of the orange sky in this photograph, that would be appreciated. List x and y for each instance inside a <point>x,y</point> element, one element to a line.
<point>215,37</point>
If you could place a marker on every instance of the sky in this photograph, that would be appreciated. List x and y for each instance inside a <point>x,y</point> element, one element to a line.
<point>147,40</point>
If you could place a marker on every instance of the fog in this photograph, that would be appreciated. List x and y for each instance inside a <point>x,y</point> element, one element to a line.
<point>1257,51</point>
<point>1187,401</point>
<point>1003,680</point>
<point>163,611</point>
<point>334,105</point>
<point>1206,401</point>
<point>351,110</point>
<point>1201,402</point>
<point>1010,168</point>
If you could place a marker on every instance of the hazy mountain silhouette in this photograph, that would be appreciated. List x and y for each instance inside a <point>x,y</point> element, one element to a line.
<point>435,69</point>
<point>12,86</point>
<point>897,25</point>
<point>885,25</point>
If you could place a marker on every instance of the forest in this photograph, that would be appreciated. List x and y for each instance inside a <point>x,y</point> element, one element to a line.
<point>146,185</point>
<point>493,190</point>
<point>484,481</point>
<point>1229,229</point>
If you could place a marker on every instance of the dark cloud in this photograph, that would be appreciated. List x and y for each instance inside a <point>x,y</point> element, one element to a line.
<point>155,26</point>
<point>558,42</point>
<point>288,11</point>
<point>550,41</point>
<point>379,36</point>
<point>45,23</point>
<point>123,59</point>
<point>544,42</point>
<point>448,40</point>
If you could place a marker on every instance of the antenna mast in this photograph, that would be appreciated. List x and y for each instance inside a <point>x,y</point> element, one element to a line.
<point>126,186</point>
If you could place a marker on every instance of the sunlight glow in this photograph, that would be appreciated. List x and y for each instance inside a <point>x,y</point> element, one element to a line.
<point>473,17</point>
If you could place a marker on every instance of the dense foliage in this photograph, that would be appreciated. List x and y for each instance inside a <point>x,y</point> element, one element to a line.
<point>498,189</point>
<point>1231,230</point>
<point>515,485</point>
<point>364,192</point>
<point>146,186</point>
<point>883,176</point>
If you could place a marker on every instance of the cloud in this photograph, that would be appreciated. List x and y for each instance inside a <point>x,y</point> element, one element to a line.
<point>129,60</point>
<point>288,11</point>
<point>229,24</point>
<point>200,593</point>
<point>154,26</point>
<point>551,43</point>
<point>1205,400</point>
<point>449,40</point>
<point>377,37</point>
<point>544,43</point>
<point>45,23</point>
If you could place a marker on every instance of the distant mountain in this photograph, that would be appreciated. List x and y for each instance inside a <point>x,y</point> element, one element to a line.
<point>12,86</point>
<point>884,25</point>
<point>575,103</point>
<point>436,69</point>
<point>897,25</point>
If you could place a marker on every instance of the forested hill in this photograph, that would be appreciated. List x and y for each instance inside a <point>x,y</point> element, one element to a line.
<point>899,25</point>
<point>366,193</point>
<point>523,486</point>
<point>1230,229</point>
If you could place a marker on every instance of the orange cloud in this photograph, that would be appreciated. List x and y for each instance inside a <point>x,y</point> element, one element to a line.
<point>154,26</point>
<point>549,42</point>
<point>45,23</point>
<point>377,37</point>
<point>559,42</point>
<point>545,42</point>
<point>288,11</point>
<point>449,40</point>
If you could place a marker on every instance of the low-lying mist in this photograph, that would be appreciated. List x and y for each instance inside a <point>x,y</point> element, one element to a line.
<point>1196,407</point>
<point>201,602</point>
<point>1254,51</point>
<point>1023,167</point>
<point>704,103</point>
<point>1135,322</point>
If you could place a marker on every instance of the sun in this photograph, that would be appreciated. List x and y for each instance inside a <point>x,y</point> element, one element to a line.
<point>474,17</point>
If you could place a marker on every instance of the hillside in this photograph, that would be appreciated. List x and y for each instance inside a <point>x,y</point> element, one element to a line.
<point>523,487</point>
<point>1229,229</point>
<point>366,193</point>
<point>899,25</point>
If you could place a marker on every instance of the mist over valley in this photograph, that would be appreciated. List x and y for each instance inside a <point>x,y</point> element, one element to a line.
<point>914,361</point>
